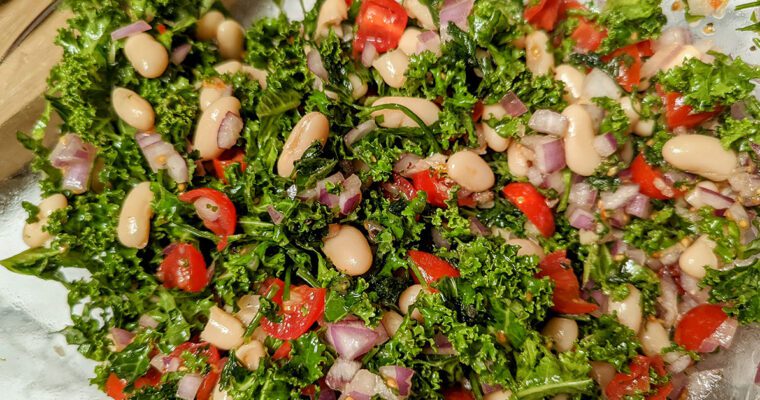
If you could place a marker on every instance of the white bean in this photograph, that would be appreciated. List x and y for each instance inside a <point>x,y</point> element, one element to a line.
<point>644,127</point>
<point>573,80</point>
<point>629,309</point>
<point>580,154</point>
<point>207,131</point>
<point>251,354</point>
<point>409,41</point>
<point>249,307</point>
<point>654,337</point>
<point>133,109</point>
<point>358,86</point>
<point>599,84</point>
<point>313,127</point>
<point>700,154</point>
<point>134,219</point>
<point>34,234</point>
<point>407,299</point>
<point>230,37</point>
<point>493,111</point>
<point>223,330</point>
<point>518,159</point>
<point>211,91</point>
<point>228,67</point>
<point>147,56</point>
<point>527,247</point>
<point>494,141</point>
<point>220,394</point>
<point>698,256</point>
<point>348,249</point>
<point>331,15</point>
<point>503,394</point>
<point>563,333</point>
<point>470,171</point>
<point>602,372</point>
<point>415,9</point>
<point>259,75</point>
<point>630,111</point>
<point>391,322</point>
<point>208,24</point>
<point>538,56</point>
<point>686,52</point>
<point>392,67</point>
<point>426,110</point>
<point>694,198</point>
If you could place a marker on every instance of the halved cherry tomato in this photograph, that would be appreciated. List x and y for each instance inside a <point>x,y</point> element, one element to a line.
<point>404,186</point>
<point>645,176</point>
<point>115,386</point>
<point>438,191</point>
<point>224,225</point>
<point>458,393</point>
<point>543,15</point>
<point>209,382</point>
<point>229,157</point>
<point>699,324</point>
<point>212,358</point>
<point>588,36</point>
<point>381,23</point>
<point>431,266</point>
<point>305,306</point>
<point>151,378</point>
<point>567,290</point>
<point>184,268</point>
<point>638,381</point>
<point>630,63</point>
<point>533,204</point>
<point>283,351</point>
<point>678,113</point>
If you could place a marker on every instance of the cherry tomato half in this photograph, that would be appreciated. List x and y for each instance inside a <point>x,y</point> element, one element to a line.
<point>115,386</point>
<point>630,63</point>
<point>224,225</point>
<point>184,268</point>
<point>588,36</point>
<point>437,190</point>
<point>283,351</point>
<point>533,204</point>
<point>305,306</point>
<point>380,23</point>
<point>567,290</point>
<point>209,382</point>
<point>645,176</point>
<point>678,113</point>
<point>431,266</point>
<point>229,157</point>
<point>638,381</point>
<point>699,324</point>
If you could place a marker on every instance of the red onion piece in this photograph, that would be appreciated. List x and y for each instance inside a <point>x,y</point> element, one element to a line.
<point>207,209</point>
<point>582,195</point>
<point>535,177</point>
<point>121,338</point>
<point>177,168</point>
<point>325,393</point>
<point>477,228</point>
<point>548,121</point>
<point>401,375</point>
<point>369,54</point>
<point>605,145</point>
<point>74,158</point>
<point>180,53</point>
<point>738,214</point>
<point>667,302</point>
<point>76,177</point>
<point>146,321</point>
<point>582,219</point>
<point>276,216</point>
<point>555,181</point>
<point>314,62</point>
<point>638,256</point>
<point>351,341</point>
<point>162,155</point>
<point>188,386</point>
<point>428,41</point>
<point>439,240</point>
<point>550,156</point>
<point>757,374</point>
<point>739,112</point>
<point>620,197</point>
<point>229,130</point>
<point>341,373</point>
<point>723,336</point>
<point>442,346</point>
<point>131,29</point>
<point>359,132</point>
<point>713,198</point>
<point>164,363</point>
<point>639,206</point>
<point>366,385</point>
<point>512,105</point>
<point>351,195</point>
<point>456,11</point>
<point>679,364</point>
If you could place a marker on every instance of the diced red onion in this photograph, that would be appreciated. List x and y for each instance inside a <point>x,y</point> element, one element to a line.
<point>488,389</point>
<point>76,177</point>
<point>341,373</point>
<point>351,195</point>
<point>477,228</point>
<point>512,105</point>
<point>131,29</point>
<point>207,209</point>
<point>679,364</point>
<point>638,256</point>
<point>359,132</point>
<point>401,376</point>
<point>555,181</point>
<point>162,155</point>
<point>428,40</point>
<point>660,58</point>
<point>276,216</point>
<point>121,338</point>
<point>369,54</point>
<point>605,145</point>
<point>74,158</point>
<point>164,363</point>
<point>229,130</point>
<point>582,219</point>
<point>617,218</point>
<point>188,386</point>
<point>618,247</point>
<point>620,197</point>
<point>639,206</point>
<point>410,164</point>
<point>549,122</point>
<point>739,111</point>
<point>314,62</point>
<point>535,177</point>
<point>146,321</point>
<point>366,385</point>
<point>723,336</point>
<point>600,299</point>
<point>713,198</point>
<point>351,341</point>
<point>456,11</point>
<point>439,240</point>
<point>550,156</point>
<point>583,195</point>
<point>180,53</point>
<point>325,393</point>
<point>443,346</point>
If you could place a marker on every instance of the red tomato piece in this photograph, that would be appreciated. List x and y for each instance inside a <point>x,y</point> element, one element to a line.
<point>637,381</point>
<point>151,378</point>
<point>458,393</point>
<point>662,392</point>
<point>645,176</point>
<point>404,186</point>
<point>438,191</point>
<point>204,349</point>
<point>588,36</point>
<point>567,290</point>
<point>209,382</point>
<point>678,113</point>
<point>380,23</point>
<point>533,204</point>
<point>283,351</point>
<point>305,306</point>
<point>477,111</point>
<point>229,157</point>
<point>699,324</point>
<point>544,15</point>
<point>431,266</point>
<point>115,386</point>
<point>629,66</point>
<point>224,225</point>
<point>161,28</point>
<point>184,268</point>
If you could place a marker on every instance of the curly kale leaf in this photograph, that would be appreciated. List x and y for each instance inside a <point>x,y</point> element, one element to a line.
<point>605,339</point>
<point>737,288</point>
<point>630,21</point>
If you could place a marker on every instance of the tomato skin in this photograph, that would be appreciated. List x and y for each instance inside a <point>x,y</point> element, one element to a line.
<point>533,204</point>
<point>432,267</point>
<point>588,36</point>
<point>645,175</point>
<point>698,324</point>
<point>115,386</point>
<point>283,351</point>
<point>404,186</point>
<point>458,393</point>
<point>638,380</point>
<point>229,157</point>
<point>224,226</point>
<point>629,69</point>
<point>305,307</point>
<point>567,290</point>
<point>430,183</point>
<point>381,23</point>
<point>206,390</point>
<point>543,15</point>
<point>678,113</point>
<point>184,268</point>
<point>151,378</point>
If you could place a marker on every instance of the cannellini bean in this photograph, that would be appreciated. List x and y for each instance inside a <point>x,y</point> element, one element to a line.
<point>602,372</point>
<point>313,127</point>
<point>573,80</point>
<point>249,307</point>
<point>498,395</point>
<point>527,247</point>
<point>392,67</point>
<point>538,56</point>
<point>391,322</point>
<point>348,249</point>
<point>205,139</point>
<point>230,37</point>
<point>698,256</point>
<point>223,330</point>
<point>208,24</point>
<point>220,394</point>
<point>563,332</point>
<point>229,67</point>
<point>518,159</point>
<point>358,86</point>
<point>251,354</point>
<point>644,127</point>
<point>415,9</point>
<point>331,15</point>
<point>494,141</point>
<point>147,56</point>
<point>493,111</point>
<point>700,154</point>
<point>211,91</point>
<point>409,41</point>
<point>686,52</point>
<point>259,75</point>
<point>134,219</point>
<point>693,197</point>
<point>629,309</point>
<point>133,109</point>
<point>407,298</point>
<point>426,110</point>
<point>34,234</point>
<point>580,153</point>
<point>654,337</point>
<point>629,110</point>
<point>599,84</point>
<point>470,171</point>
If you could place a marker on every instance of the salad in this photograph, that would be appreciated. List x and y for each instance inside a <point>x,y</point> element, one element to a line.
<point>460,199</point>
